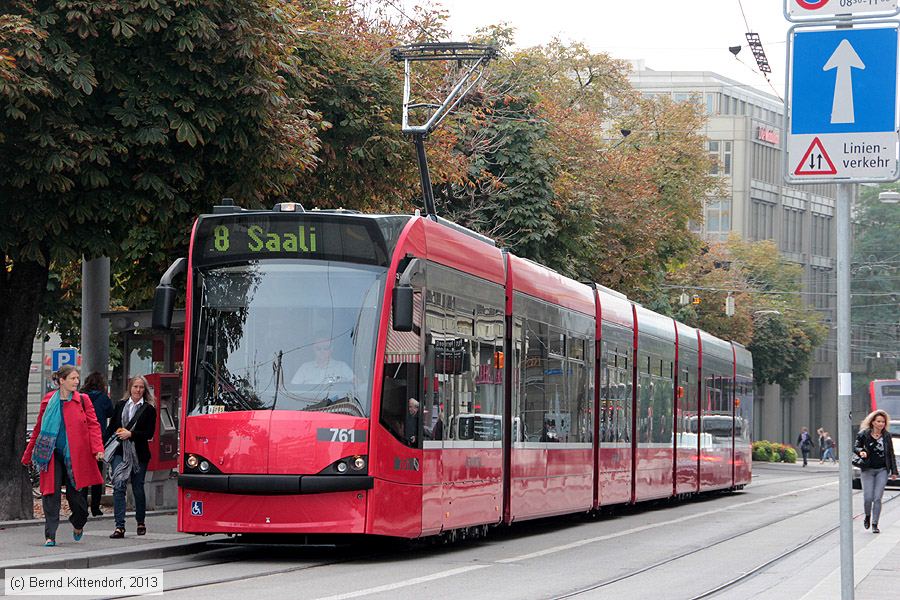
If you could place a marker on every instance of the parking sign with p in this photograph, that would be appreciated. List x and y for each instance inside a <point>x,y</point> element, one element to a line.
<point>63,356</point>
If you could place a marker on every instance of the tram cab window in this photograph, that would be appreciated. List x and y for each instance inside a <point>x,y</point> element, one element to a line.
<point>401,408</point>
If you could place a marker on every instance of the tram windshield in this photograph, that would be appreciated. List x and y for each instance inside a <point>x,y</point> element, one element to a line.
<point>285,335</point>
<point>887,397</point>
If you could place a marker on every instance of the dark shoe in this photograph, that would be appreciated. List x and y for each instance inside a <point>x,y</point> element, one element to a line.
<point>117,534</point>
<point>875,528</point>
<point>96,512</point>
<point>141,529</point>
<point>866,522</point>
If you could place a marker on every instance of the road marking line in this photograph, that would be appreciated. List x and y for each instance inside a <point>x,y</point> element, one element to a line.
<point>401,584</point>
<point>610,536</point>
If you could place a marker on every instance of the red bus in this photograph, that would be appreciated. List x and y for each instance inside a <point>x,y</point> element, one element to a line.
<point>400,375</point>
<point>884,394</point>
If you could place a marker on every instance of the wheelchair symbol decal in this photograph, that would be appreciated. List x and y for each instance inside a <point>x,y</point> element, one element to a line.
<point>197,508</point>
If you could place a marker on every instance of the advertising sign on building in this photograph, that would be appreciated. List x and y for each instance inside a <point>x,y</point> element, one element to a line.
<point>841,106</point>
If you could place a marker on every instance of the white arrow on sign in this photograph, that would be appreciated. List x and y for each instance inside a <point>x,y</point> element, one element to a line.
<point>843,59</point>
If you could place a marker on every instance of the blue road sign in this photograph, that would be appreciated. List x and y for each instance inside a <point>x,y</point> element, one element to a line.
<point>844,81</point>
<point>63,356</point>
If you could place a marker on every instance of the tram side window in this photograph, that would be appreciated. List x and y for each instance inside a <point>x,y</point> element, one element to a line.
<point>464,384</point>
<point>536,357</point>
<point>401,410</point>
<point>646,391</point>
<point>556,406</point>
<point>615,401</point>
<point>488,407</point>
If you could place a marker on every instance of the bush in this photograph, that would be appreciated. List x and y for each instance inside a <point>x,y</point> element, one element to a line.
<point>767,451</point>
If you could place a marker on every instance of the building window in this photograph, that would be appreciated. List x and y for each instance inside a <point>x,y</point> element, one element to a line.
<point>821,235</point>
<point>713,149</point>
<point>711,104</point>
<point>718,215</point>
<point>792,230</point>
<point>762,220</point>
<point>726,157</point>
<point>720,155</point>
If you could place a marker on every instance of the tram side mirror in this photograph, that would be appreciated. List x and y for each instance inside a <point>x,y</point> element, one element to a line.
<point>164,298</point>
<point>402,307</point>
<point>163,306</point>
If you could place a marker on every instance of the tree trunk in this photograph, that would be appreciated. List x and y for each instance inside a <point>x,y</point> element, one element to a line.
<point>22,285</point>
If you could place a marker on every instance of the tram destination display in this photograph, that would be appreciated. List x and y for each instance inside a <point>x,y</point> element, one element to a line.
<point>255,237</point>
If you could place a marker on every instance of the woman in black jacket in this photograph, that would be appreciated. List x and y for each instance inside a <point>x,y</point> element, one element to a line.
<point>876,449</point>
<point>134,423</point>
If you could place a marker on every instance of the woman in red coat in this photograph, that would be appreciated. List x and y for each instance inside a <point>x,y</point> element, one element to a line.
<point>65,446</point>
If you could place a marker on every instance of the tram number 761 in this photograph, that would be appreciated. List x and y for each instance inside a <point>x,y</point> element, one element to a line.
<point>336,434</point>
<point>342,435</point>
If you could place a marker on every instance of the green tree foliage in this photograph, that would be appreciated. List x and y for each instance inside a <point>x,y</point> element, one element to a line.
<point>570,168</point>
<point>875,284</point>
<point>770,316</point>
<point>121,121</point>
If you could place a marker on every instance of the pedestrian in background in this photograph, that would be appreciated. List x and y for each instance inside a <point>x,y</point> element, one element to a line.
<point>829,449</point>
<point>134,423</point>
<point>821,432</point>
<point>876,463</point>
<point>804,442</point>
<point>95,387</point>
<point>65,446</point>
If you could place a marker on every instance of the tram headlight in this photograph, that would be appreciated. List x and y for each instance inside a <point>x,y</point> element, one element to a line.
<point>359,463</point>
<point>192,461</point>
<point>341,467</point>
<point>204,466</point>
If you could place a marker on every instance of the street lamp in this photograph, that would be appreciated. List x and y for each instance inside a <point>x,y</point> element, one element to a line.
<point>889,197</point>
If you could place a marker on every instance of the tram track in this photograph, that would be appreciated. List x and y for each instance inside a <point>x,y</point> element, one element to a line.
<point>732,582</point>
<point>762,567</point>
<point>224,555</point>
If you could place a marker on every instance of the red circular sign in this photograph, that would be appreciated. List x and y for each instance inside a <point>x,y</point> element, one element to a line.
<point>812,4</point>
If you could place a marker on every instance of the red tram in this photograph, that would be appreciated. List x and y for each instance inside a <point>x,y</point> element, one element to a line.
<point>884,394</point>
<point>403,376</point>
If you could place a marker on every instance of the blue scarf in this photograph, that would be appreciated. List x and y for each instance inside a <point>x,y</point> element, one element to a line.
<point>49,438</point>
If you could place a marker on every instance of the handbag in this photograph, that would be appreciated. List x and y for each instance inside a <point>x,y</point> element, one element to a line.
<point>858,461</point>
<point>109,449</point>
<point>113,443</point>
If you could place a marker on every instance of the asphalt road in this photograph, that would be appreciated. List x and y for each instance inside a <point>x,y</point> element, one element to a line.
<point>784,522</point>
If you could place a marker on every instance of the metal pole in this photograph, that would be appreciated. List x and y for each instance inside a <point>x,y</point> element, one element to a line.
<point>427,191</point>
<point>94,328</point>
<point>845,424</point>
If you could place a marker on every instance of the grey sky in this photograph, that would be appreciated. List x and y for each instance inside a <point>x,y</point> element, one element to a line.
<point>688,35</point>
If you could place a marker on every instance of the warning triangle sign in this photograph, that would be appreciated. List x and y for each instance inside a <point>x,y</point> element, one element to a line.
<point>815,161</point>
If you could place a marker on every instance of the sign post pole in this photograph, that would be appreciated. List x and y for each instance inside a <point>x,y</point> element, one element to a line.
<point>845,422</point>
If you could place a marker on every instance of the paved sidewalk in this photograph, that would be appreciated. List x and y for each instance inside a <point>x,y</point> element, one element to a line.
<point>876,564</point>
<point>22,543</point>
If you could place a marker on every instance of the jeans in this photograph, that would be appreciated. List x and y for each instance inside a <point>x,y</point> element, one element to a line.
<point>137,488</point>
<point>829,455</point>
<point>873,482</point>
<point>805,455</point>
<point>51,502</point>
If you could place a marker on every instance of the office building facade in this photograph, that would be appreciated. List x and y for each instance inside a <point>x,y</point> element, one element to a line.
<point>744,133</point>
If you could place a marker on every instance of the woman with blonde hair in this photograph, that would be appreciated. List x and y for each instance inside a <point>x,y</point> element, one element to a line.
<point>134,423</point>
<point>876,451</point>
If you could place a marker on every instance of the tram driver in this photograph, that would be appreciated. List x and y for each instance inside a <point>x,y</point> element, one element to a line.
<point>323,369</point>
